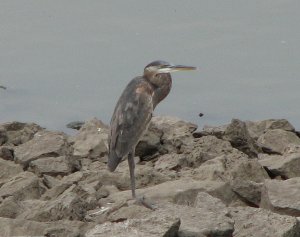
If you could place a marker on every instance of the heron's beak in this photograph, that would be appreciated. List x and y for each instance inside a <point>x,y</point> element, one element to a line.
<point>182,68</point>
<point>174,68</point>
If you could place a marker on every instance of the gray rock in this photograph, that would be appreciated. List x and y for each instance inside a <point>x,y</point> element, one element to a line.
<point>75,125</point>
<point>66,206</point>
<point>129,212</point>
<point>20,227</point>
<point>237,134</point>
<point>91,141</point>
<point>217,131</point>
<point>43,144</point>
<point>50,181</point>
<point>17,227</point>
<point>180,191</point>
<point>207,148</point>
<point>6,152</point>
<point>256,129</point>
<point>282,196</point>
<point>207,216</point>
<point>144,176</point>
<point>51,166</point>
<point>248,191</point>
<point>66,228</point>
<point>18,133</point>
<point>152,225</point>
<point>287,166</point>
<point>9,169</point>
<point>150,144</point>
<point>102,192</point>
<point>3,136</point>
<point>231,167</point>
<point>23,186</point>
<point>166,135</point>
<point>254,222</point>
<point>62,185</point>
<point>169,162</point>
<point>10,207</point>
<point>277,140</point>
<point>292,149</point>
<point>201,220</point>
<point>177,134</point>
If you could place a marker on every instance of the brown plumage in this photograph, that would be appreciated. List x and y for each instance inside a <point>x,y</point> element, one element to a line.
<point>134,109</point>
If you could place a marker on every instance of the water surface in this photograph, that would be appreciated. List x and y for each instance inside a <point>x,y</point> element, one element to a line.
<point>70,60</point>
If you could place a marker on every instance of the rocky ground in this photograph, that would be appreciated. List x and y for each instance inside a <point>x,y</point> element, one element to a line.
<point>240,179</point>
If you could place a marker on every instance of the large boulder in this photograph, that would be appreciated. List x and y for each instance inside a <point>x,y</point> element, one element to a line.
<point>54,166</point>
<point>169,162</point>
<point>258,128</point>
<point>179,191</point>
<point>150,145</point>
<point>217,131</point>
<point>3,136</point>
<point>166,135</point>
<point>277,140</point>
<point>66,206</point>
<point>17,227</point>
<point>10,207</point>
<point>205,216</point>
<point>23,186</point>
<point>282,196</point>
<point>208,216</point>
<point>252,222</point>
<point>207,148</point>
<point>91,140</point>
<point>152,225</point>
<point>59,186</point>
<point>231,167</point>
<point>43,144</point>
<point>144,176</point>
<point>248,191</point>
<point>17,133</point>
<point>8,169</point>
<point>7,152</point>
<point>287,166</point>
<point>237,134</point>
<point>21,227</point>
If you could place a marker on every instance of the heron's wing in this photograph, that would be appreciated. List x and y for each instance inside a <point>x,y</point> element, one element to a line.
<point>130,119</point>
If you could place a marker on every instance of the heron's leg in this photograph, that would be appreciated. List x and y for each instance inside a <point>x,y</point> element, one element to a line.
<point>131,164</point>
<point>131,170</point>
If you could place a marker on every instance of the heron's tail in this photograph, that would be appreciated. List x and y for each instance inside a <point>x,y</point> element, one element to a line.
<point>113,161</point>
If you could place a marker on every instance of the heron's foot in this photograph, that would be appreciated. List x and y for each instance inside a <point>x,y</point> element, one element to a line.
<point>142,201</point>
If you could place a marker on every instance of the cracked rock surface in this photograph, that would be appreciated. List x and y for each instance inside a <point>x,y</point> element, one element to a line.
<point>241,179</point>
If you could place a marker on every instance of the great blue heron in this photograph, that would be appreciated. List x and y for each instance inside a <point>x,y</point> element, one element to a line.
<point>133,112</point>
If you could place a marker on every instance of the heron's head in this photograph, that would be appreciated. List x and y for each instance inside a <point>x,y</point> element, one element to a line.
<point>160,67</point>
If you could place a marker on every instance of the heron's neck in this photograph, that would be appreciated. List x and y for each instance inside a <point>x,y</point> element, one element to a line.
<point>161,87</point>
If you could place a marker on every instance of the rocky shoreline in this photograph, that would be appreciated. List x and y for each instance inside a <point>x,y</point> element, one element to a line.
<point>240,179</point>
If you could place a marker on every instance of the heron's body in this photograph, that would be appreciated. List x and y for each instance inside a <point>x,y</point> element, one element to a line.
<point>132,115</point>
<point>134,109</point>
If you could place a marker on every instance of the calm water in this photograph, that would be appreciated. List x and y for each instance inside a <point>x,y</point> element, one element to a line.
<point>70,60</point>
